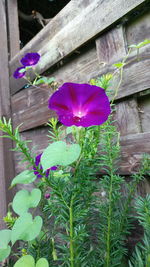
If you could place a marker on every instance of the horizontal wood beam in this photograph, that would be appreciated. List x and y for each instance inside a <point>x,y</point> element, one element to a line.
<point>88,23</point>
<point>29,106</point>
<point>133,147</point>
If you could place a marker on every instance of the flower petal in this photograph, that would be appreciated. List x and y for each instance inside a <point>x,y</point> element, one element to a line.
<point>30,59</point>
<point>17,74</point>
<point>37,163</point>
<point>80,104</point>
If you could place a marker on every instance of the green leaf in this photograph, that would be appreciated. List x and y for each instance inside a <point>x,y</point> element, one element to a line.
<point>25,177</point>
<point>133,46</point>
<point>119,65</point>
<point>44,80</point>
<point>59,153</point>
<point>141,44</point>
<point>24,200</point>
<point>28,261</point>
<point>25,261</point>
<point>5,236</point>
<point>145,42</point>
<point>4,253</point>
<point>25,228</point>
<point>42,263</point>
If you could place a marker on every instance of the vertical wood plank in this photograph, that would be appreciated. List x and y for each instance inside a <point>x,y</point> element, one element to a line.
<point>13,27</point>
<point>127,117</point>
<point>111,46</point>
<point>6,163</point>
<point>138,30</point>
<point>144,112</point>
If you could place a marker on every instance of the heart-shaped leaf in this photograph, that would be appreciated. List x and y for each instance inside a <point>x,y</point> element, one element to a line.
<point>4,253</point>
<point>28,261</point>
<point>24,200</point>
<point>25,261</point>
<point>5,236</point>
<point>25,228</point>
<point>59,153</point>
<point>42,263</point>
<point>25,177</point>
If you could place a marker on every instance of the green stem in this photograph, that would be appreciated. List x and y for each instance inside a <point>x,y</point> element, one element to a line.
<point>108,241</point>
<point>109,223</point>
<point>121,75</point>
<point>71,233</point>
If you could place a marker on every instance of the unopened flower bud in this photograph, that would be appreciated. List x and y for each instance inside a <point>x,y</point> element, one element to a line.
<point>47,196</point>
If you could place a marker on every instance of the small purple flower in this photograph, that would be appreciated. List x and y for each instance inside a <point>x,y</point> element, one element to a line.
<point>17,74</point>
<point>47,196</point>
<point>80,104</point>
<point>37,163</point>
<point>30,59</point>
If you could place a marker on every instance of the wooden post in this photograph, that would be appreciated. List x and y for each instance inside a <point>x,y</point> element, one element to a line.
<point>6,163</point>
<point>13,27</point>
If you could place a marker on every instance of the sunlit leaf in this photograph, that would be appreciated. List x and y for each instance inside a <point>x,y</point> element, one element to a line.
<point>5,236</point>
<point>4,253</point>
<point>59,153</point>
<point>24,200</point>
<point>42,263</point>
<point>26,228</point>
<point>119,65</point>
<point>25,261</point>
<point>24,177</point>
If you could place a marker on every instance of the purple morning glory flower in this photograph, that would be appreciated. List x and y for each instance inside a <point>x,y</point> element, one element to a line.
<point>37,163</point>
<point>17,74</point>
<point>30,59</point>
<point>80,104</point>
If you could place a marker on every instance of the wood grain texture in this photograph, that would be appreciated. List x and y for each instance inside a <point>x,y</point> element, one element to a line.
<point>132,149</point>
<point>135,78</point>
<point>39,140</point>
<point>111,46</point>
<point>6,164</point>
<point>67,14</point>
<point>93,19</point>
<point>29,106</point>
<point>13,27</point>
<point>127,117</point>
<point>138,30</point>
<point>144,111</point>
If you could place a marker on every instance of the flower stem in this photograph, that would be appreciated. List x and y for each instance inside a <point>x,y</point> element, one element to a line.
<point>71,233</point>
<point>109,223</point>
<point>108,241</point>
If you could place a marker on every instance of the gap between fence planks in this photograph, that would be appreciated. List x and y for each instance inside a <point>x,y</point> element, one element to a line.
<point>94,19</point>
<point>6,163</point>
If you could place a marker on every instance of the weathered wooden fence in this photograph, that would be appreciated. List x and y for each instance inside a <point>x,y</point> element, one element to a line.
<point>73,48</point>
